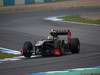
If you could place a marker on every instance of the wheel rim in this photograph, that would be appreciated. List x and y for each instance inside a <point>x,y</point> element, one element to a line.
<point>24,51</point>
<point>78,46</point>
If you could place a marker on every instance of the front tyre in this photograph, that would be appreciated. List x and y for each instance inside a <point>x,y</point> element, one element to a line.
<point>75,45</point>
<point>27,49</point>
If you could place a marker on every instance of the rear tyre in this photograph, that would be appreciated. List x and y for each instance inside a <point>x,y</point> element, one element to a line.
<point>27,49</point>
<point>75,45</point>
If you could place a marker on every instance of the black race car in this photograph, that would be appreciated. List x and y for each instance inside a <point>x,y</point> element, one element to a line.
<point>53,46</point>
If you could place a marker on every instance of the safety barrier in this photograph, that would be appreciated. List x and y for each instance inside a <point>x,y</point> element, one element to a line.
<point>22,2</point>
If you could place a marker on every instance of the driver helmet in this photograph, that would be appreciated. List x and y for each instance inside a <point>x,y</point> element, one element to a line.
<point>50,37</point>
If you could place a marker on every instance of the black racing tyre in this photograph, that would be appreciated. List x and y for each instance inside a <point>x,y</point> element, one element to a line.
<point>27,49</point>
<point>75,45</point>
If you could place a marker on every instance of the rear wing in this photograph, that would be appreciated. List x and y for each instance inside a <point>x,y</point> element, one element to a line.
<point>56,33</point>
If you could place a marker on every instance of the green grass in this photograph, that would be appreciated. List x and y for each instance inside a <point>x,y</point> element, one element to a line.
<point>5,55</point>
<point>77,18</point>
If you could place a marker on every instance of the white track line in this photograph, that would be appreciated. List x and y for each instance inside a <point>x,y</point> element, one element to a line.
<point>9,51</point>
<point>54,18</point>
<point>16,58</point>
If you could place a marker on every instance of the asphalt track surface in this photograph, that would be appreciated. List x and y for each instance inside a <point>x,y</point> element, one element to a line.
<point>18,27</point>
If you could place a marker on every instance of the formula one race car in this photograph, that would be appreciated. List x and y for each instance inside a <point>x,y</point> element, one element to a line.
<point>53,45</point>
